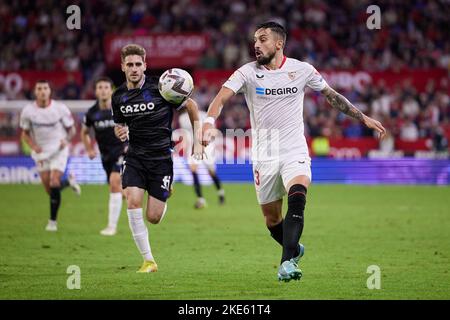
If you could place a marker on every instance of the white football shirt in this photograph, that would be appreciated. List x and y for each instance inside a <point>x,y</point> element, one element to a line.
<point>47,125</point>
<point>275,101</point>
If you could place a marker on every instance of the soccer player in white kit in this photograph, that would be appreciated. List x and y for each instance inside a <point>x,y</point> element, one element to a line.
<point>274,86</point>
<point>47,126</point>
<point>208,160</point>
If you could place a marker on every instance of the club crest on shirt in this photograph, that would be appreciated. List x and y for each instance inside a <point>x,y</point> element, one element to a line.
<point>147,96</point>
<point>292,75</point>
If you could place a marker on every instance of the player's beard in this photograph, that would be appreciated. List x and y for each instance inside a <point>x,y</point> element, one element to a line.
<point>43,101</point>
<point>263,60</point>
<point>136,82</point>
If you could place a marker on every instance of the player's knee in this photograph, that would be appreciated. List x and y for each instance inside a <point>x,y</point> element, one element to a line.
<point>193,168</point>
<point>272,220</point>
<point>115,189</point>
<point>272,214</point>
<point>55,183</point>
<point>296,202</point>
<point>154,218</point>
<point>133,203</point>
<point>115,186</point>
<point>155,214</point>
<point>297,195</point>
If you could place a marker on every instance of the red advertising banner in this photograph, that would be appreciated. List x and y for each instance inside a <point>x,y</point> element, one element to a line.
<point>163,49</point>
<point>348,79</point>
<point>344,148</point>
<point>211,77</point>
<point>17,81</point>
<point>359,79</point>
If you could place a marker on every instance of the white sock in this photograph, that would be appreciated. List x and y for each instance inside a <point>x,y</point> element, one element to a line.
<point>115,206</point>
<point>164,212</point>
<point>140,233</point>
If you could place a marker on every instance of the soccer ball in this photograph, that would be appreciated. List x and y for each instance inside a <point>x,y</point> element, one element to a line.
<point>175,85</point>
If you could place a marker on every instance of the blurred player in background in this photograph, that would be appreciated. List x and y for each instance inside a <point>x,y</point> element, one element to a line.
<point>99,118</point>
<point>142,115</point>
<point>273,86</point>
<point>208,160</point>
<point>47,127</point>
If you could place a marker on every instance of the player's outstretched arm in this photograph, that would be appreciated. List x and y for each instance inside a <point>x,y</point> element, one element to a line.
<point>192,110</point>
<point>214,110</point>
<point>194,116</point>
<point>342,104</point>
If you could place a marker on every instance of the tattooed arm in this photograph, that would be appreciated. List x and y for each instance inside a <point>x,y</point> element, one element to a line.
<point>341,103</point>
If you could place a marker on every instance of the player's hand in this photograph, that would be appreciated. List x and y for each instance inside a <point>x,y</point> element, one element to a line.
<point>207,132</point>
<point>92,154</point>
<point>376,125</point>
<point>62,144</point>
<point>36,149</point>
<point>121,132</point>
<point>198,150</point>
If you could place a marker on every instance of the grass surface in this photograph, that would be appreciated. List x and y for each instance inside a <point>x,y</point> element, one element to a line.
<point>226,252</point>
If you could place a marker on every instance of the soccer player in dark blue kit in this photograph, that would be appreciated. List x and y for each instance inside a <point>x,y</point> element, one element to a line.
<point>144,118</point>
<point>99,119</point>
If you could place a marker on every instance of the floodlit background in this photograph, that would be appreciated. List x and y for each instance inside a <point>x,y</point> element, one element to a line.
<point>398,74</point>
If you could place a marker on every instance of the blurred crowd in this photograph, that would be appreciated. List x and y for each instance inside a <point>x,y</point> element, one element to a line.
<point>328,34</point>
<point>405,113</point>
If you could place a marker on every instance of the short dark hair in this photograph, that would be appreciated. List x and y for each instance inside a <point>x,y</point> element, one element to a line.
<point>42,81</point>
<point>103,79</point>
<point>275,27</point>
<point>132,49</point>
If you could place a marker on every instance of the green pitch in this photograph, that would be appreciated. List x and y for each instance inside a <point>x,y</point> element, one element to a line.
<point>226,252</point>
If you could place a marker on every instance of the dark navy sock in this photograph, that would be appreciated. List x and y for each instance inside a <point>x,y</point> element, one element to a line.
<point>55,201</point>
<point>293,222</point>
<point>197,186</point>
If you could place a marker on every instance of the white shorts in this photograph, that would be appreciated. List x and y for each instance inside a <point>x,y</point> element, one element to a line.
<point>209,159</point>
<point>51,161</point>
<point>272,177</point>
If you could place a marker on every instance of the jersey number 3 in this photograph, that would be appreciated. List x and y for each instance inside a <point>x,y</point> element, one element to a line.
<point>257,182</point>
